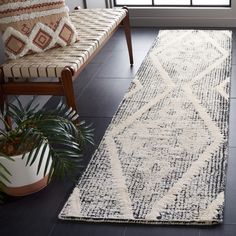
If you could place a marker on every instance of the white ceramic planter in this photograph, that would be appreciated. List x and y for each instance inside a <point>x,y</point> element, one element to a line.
<point>24,179</point>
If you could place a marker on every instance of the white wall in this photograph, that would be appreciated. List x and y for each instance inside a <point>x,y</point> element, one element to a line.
<point>184,17</point>
<point>74,3</point>
<point>90,3</point>
<point>96,3</point>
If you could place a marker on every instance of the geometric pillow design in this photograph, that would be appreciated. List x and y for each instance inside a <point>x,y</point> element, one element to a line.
<point>35,26</point>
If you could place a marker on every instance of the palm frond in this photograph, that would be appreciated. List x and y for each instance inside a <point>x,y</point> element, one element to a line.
<point>38,131</point>
<point>42,156</point>
<point>36,152</point>
<point>5,124</point>
<point>29,109</point>
<point>20,105</point>
<point>15,113</point>
<point>4,173</point>
<point>4,178</point>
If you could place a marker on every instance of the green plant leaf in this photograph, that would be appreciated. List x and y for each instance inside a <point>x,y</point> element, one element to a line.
<point>47,163</point>
<point>41,157</point>
<point>6,156</point>
<point>20,106</point>
<point>5,134</point>
<point>52,167</point>
<point>5,169</point>
<point>59,128</point>
<point>39,145</point>
<point>6,125</point>
<point>29,108</point>
<point>15,112</point>
<point>4,173</point>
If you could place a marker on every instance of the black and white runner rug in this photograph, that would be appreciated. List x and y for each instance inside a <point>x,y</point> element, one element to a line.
<point>163,158</point>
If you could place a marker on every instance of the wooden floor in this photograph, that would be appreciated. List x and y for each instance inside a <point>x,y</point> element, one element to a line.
<point>99,91</point>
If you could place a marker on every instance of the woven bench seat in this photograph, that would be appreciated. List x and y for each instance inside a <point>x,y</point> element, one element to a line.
<point>94,26</point>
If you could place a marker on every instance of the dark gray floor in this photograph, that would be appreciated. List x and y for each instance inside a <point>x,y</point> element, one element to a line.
<point>99,91</point>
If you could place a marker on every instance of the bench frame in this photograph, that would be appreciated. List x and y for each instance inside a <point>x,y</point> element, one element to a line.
<point>64,87</point>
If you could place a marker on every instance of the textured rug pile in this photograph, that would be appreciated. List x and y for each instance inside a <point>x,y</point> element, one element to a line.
<point>163,158</point>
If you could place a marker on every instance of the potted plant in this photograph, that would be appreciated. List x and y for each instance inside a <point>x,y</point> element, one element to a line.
<point>38,146</point>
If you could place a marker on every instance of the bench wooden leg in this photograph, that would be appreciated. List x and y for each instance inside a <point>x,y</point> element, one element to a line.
<point>126,25</point>
<point>66,80</point>
<point>3,98</point>
<point>2,95</point>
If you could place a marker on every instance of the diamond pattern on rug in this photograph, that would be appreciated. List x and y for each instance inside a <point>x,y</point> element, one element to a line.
<point>166,148</point>
<point>208,53</point>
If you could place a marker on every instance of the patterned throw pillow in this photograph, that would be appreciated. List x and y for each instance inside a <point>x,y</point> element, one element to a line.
<point>31,26</point>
